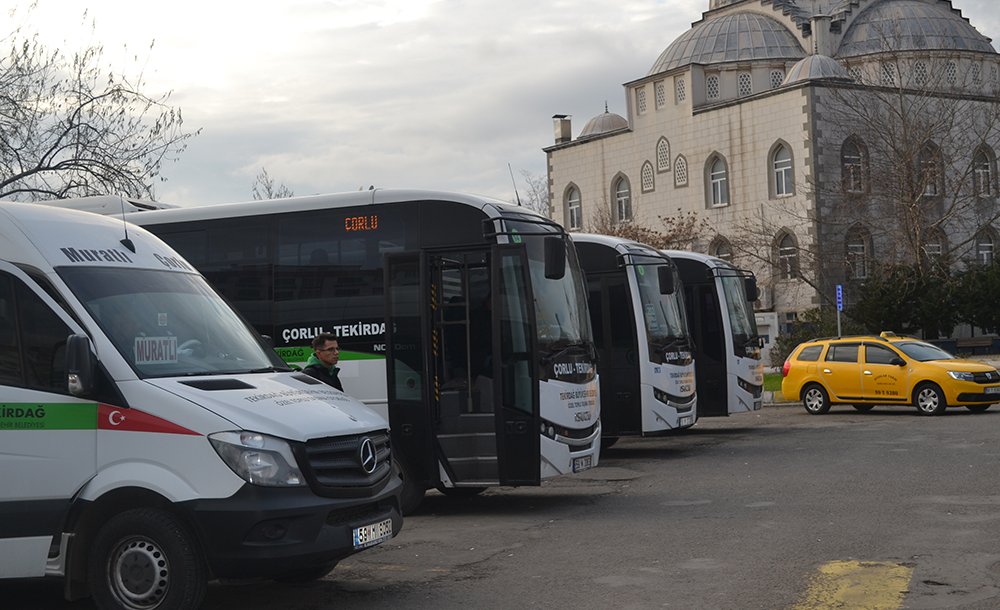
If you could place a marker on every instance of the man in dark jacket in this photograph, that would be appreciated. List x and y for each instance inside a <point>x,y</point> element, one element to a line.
<point>322,362</point>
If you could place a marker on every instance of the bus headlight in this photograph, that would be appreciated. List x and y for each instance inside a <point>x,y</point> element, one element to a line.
<point>258,458</point>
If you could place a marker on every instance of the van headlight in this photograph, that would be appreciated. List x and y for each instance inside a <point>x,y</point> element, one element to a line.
<point>962,376</point>
<point>258,458</point>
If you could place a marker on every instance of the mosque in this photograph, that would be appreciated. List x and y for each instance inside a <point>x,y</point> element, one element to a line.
<point>814,137</point>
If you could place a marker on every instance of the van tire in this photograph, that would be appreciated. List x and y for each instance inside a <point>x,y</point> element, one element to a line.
<point>929,399</point>
<point>815,399</point>
<point>164,569</point>
<point>411,494</point>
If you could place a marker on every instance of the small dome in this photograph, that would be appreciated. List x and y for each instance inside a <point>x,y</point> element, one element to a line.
<point>911,25</point>
<point>816,67</point>
<point>603,123</point>
<point>733,37</point>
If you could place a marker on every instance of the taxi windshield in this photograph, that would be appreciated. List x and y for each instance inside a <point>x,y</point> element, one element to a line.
<point>922,352</point>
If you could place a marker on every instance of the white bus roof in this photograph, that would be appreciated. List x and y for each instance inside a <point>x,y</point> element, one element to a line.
<point>317,202</point>
<point>44,237</point>
<point>705,259</point>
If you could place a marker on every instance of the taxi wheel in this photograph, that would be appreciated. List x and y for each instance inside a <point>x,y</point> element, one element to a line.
<point>864,408</point>
<point>929,399</point>
<point>815,399</point>
<point>978,408</point>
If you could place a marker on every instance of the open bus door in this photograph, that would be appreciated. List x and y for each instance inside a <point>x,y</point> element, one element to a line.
<point>445,351</point>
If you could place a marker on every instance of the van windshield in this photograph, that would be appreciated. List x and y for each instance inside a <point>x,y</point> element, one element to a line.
<point>167,324</point>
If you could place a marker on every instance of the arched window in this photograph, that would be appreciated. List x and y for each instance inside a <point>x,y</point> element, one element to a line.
<point>920,74</point>
<point>951,72</point>
<point>934,246</point>
<point>888,75</point>
<point>718,181</point>
<point>663,155</point>
<point>788,256</point>
<point>721,248</point>
<point>623,200</point>
<point>745,83</point>
<point>648,185</point>
<point>712,88</point>
<point>680,171</point>
<point>574,209</point>
<point>854,165</point>
<point>858,250</point>
<point>777,78</point>
<point>782,183</point>
<point>983,165</point>
<point>985,245</point>
<point>929,171</point>
<point>680,91</point>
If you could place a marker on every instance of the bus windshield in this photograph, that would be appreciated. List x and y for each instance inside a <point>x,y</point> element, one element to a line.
<point>741,316</point>
<point>168,324</point>
<point>560,305</point>
<point>662,313</point>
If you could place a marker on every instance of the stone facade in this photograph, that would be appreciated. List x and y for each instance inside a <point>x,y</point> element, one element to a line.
<point>777,112</point>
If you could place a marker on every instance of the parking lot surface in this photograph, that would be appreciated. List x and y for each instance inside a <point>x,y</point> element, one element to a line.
<point>774,509</point>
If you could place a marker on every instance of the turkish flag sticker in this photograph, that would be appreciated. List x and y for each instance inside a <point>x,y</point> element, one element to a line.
<point>110,417</point>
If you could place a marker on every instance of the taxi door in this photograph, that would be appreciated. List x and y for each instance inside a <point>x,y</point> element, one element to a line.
<point>841,371</point>
<point>884,375</point>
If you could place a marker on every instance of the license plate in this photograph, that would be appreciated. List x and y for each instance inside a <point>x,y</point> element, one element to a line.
<point>686,420</point>
<point>583,463</point>
<point>370,535</point>
<point>993,390</point>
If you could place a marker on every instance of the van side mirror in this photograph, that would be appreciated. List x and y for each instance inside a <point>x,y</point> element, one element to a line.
<point>80,366</point>
<point>555,258</point>
<point>665,276</point>
<point>750,285</point>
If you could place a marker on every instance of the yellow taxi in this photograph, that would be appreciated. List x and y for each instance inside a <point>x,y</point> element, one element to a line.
<point>886,370</point>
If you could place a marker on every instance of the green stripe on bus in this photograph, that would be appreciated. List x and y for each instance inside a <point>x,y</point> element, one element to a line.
<point>48,416</point>
<point>301,354</point>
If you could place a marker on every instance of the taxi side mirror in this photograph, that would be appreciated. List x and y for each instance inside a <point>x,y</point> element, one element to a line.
<point>898,361</point>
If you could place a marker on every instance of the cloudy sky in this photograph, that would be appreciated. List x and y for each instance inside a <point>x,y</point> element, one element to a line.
<point>336,95</point>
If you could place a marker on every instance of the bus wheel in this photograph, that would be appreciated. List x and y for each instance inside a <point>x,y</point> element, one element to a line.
<point>978,408</point>
<point>460,492</point>
<point>412,493</point>
<point>815,399</point>
<point>864,408</point>
<point>608,442</point>
<point>929,399</point>
<point>144,559</point>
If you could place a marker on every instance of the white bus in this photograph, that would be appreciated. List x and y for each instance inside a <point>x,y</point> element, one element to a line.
<point>644,346</point>
<point>729,372</point>
<point>462,318</point>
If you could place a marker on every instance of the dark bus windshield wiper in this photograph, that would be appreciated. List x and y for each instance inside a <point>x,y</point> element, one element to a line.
<point>561,347</point>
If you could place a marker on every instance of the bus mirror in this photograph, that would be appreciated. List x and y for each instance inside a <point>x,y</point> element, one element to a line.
<point>665,276</point>
<point>80,365</point>
<point>555,258</point>
<point>750,285</point>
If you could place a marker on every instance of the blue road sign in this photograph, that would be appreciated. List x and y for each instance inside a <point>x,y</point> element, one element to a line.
<point>840,297</point>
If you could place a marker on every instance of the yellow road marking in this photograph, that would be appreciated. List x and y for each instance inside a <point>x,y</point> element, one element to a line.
<point>857,585</point>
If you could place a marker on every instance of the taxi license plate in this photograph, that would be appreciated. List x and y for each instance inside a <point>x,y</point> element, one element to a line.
<point>370,535</point>
<point>583,463</point>
<point>686,420</point>
<point>993,390</point>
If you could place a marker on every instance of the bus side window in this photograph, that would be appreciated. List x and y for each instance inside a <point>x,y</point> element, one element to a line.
<point>10,358</point>
<point>43,342</point>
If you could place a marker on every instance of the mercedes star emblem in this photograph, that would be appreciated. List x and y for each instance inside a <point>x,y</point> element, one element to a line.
<point>367,455</point>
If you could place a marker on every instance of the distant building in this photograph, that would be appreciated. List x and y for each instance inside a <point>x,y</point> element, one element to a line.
<point>746,119</point>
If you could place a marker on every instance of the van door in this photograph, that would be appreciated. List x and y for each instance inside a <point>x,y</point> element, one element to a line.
<point>48,438</point>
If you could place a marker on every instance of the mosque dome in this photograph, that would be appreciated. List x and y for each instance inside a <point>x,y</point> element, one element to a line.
<point>739,36</point>
<point>603,123</point>
<point>911,25</point>
<point>816,67</point>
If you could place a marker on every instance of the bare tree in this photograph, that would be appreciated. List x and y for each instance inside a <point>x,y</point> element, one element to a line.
<point>678,232</point>
<point>264,187</point>
<point>536,196</point>
<point>70,126</point>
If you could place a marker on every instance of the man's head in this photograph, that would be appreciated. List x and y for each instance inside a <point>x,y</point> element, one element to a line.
<point>326,348</point>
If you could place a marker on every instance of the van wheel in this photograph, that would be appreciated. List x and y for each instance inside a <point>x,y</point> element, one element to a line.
<point>815,399</point>
<point>607,442</point>
<point>864,408</point>
<point>929,399</point>
<point>978,408</point>
<point>145,559</point>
